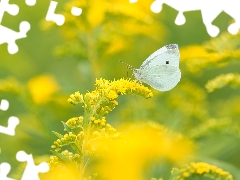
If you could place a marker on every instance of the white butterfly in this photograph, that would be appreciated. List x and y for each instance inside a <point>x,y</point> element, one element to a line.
<point>161,69</point>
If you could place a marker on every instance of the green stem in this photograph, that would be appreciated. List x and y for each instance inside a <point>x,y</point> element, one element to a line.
<point>92,55</point>
<point>86,164</point>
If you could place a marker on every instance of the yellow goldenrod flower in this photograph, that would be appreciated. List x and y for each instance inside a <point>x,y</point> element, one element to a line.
<point>102,100</point>
<point>201,169</point>
<point>75,122</point>
<point>42,88</point>
<point>223,80</point>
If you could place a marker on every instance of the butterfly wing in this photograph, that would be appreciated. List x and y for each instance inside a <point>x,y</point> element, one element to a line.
<point>168,54</point>
<point>161,77</point>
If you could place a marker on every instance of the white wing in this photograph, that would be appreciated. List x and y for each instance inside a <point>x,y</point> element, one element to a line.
<point>168,54</point>
<point>161,77</point>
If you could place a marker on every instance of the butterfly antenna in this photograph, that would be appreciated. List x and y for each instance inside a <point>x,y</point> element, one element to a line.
<point>128,66</point>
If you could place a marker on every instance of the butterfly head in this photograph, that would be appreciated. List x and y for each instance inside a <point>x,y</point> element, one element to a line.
<point>137,74</point>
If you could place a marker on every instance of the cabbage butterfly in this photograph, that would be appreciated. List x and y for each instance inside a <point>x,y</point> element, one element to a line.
<point>161,69</point>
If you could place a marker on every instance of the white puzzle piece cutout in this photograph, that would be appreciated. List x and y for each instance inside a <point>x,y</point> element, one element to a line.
<point>31,171</point>
<point>4,170</point>
<point>4,105</point>
<point>30,2</point>
<point>12,124</point>
<point>12,9</point>
<point>133,1</point>
<point>59,19</point>
<point>209,10</point>
<point>12,121</point>
<point>7,35</point>
<point>76,11</point>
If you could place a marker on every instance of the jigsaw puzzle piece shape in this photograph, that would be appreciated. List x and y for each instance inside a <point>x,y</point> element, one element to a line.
<point>232,9</point>
<point>208,16</point>
<point>4,170</point>
<point>9,36</point>
<point>31,171</point>
<point>4,105</point>
<point>12,9</point>
<point>30,2</point>
<point>180,19</point>
<point>133,1</point>
<point>76,11</point>
<point>12,123</point>
<point>59,19</point>
<point>156,6</point>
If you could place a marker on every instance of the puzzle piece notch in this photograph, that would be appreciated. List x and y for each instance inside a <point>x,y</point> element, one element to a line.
<point>9,36</point>
<point>12,123</point>
<point>4,105</point>
<point>156,7</point>
<point>31,171</point>
<point>233,28</point>
<point>180,19</point>
<point>59,19</point>
<point>133,1</point>
<point>4,170</point>
<point>76,11</point>
<point>30,2</point>
<point>12,9</point>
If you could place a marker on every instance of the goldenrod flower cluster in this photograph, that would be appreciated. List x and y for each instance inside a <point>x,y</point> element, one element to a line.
<point>67,139</point>
<point>84,131</point>
<point>201,169</point>
<point>223,80</point>
<point>103,100</point>
<point>216,52</point>
<point>10,84</point>
<point>55,162</point>
<point>211,125</point>
<point>101,128</point>
<point>197,58</point>
<point>75,122</point>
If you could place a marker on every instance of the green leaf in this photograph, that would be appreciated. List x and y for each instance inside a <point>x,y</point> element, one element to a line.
<point>61,157</point>
<point>66,127</point>
<point>59,136</point>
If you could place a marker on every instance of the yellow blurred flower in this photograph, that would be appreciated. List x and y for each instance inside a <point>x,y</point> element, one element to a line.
<point>66,172</point>
<point>197,58</point>
<point>42,88</point>
<point>96,13</point>
<point>140,145</point>
<point>223,80</point>
<point>215,52</point>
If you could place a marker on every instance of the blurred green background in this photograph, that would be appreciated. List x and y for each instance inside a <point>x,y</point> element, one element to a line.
<point>54,62</point>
